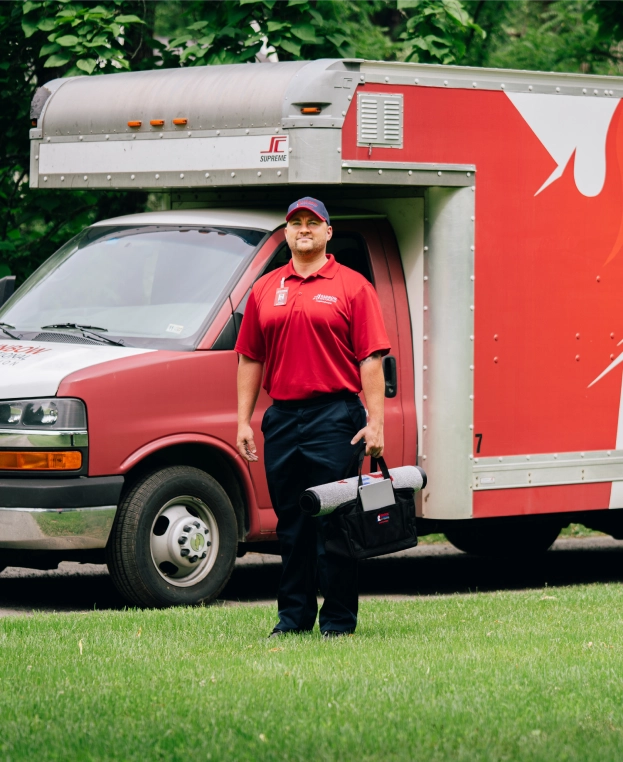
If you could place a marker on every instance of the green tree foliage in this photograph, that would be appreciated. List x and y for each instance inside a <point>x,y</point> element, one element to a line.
<point>436,31</point>
<point>567,35</point>
<point>237,32</point>
<point>84,36</point>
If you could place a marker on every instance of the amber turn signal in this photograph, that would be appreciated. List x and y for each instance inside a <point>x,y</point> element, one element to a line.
<point>311,110</point>
<point>27,460</point>
<point>157,122</point>
<point>135,123</point>
<point>180,122</point>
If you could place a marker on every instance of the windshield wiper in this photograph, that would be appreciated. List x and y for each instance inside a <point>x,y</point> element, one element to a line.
<point>3,328</point>
<point>88,331</point>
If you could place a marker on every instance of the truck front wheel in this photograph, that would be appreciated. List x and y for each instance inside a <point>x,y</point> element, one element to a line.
<point>174,539</point>
<point>529,539</point>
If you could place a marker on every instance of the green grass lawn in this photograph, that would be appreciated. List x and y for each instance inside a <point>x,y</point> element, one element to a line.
<point>532,675</point>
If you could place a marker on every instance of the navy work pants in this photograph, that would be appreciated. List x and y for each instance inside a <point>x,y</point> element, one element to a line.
<point>306,446</point>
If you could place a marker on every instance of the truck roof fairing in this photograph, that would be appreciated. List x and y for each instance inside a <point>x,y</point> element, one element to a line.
<point>270,124</point>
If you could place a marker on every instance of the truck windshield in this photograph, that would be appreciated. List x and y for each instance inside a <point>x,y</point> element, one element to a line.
<point>150,286</point>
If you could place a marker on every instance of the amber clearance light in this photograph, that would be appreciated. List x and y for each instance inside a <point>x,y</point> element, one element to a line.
<point>157,122</point>
<point>180,122</point>
<point>40,461</point>
<point>135,123</point>
<point>311,110</point>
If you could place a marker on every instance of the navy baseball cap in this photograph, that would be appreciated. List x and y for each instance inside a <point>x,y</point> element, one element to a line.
<point>312,205</point>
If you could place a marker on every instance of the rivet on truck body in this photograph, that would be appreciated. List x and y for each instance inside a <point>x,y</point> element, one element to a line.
<point>577,358</point>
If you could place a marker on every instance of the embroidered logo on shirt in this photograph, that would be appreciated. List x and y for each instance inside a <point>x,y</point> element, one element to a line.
<point>326,299</point>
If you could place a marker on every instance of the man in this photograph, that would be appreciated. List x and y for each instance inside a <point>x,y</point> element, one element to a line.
<point>314,329</point>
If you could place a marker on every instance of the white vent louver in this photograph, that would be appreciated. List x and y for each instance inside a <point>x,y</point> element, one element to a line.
<point>379,120</point>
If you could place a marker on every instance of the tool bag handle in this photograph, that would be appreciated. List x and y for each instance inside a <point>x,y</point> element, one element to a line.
<point>358,457</point>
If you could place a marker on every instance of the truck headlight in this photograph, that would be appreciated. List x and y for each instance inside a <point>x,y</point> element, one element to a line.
<point>57,413</point>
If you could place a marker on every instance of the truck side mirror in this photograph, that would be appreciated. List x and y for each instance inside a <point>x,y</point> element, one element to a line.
<point>7,286</point>
<point>391,376</point>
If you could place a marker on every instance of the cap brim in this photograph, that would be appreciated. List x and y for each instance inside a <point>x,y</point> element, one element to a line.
<point>306,208</point>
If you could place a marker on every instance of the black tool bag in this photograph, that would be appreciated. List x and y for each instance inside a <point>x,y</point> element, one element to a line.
<point>359,534</point>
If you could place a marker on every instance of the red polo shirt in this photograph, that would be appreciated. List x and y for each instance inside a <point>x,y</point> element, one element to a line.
<point>312,344</point>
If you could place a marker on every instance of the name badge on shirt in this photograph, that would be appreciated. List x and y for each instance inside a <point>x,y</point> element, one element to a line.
<point>281,295</point>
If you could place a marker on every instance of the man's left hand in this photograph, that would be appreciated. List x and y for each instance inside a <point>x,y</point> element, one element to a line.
<point>373,436</point>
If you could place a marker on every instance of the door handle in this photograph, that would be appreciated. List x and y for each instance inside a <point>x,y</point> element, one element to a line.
<point>391,376</point>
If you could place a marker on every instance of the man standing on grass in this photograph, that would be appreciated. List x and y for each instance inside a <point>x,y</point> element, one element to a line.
<point>314,329</point>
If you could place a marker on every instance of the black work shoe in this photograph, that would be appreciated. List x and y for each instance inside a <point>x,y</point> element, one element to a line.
<point>327,634</point>
<point>276,633</point>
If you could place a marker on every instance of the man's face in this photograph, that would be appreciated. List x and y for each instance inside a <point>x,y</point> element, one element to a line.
<point>306,234</point>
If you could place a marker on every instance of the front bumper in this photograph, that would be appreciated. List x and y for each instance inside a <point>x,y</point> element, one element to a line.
<point>58,514</point>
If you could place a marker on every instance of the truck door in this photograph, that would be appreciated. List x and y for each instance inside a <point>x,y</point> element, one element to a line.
<point>369,247</point>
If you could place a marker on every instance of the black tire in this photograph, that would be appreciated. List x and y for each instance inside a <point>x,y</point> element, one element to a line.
<point>136,535</point>
<point>530,539</point>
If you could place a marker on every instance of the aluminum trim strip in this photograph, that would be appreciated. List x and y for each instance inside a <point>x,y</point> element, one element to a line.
<point>37,439</point>
<point>548,469</point>
<point>472,78</point>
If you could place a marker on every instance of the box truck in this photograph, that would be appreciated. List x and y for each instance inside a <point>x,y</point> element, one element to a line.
<point>485,206</point>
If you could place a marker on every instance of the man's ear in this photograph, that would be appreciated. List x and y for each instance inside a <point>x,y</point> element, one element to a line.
<point>329,232</point>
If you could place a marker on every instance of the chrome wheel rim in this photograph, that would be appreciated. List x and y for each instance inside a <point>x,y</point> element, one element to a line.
<point>184,541</point>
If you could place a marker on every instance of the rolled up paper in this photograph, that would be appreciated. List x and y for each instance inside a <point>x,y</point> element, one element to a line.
<point>325,498</point>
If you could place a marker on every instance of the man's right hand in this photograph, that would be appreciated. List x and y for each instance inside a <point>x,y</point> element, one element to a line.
<point>245,443</point>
